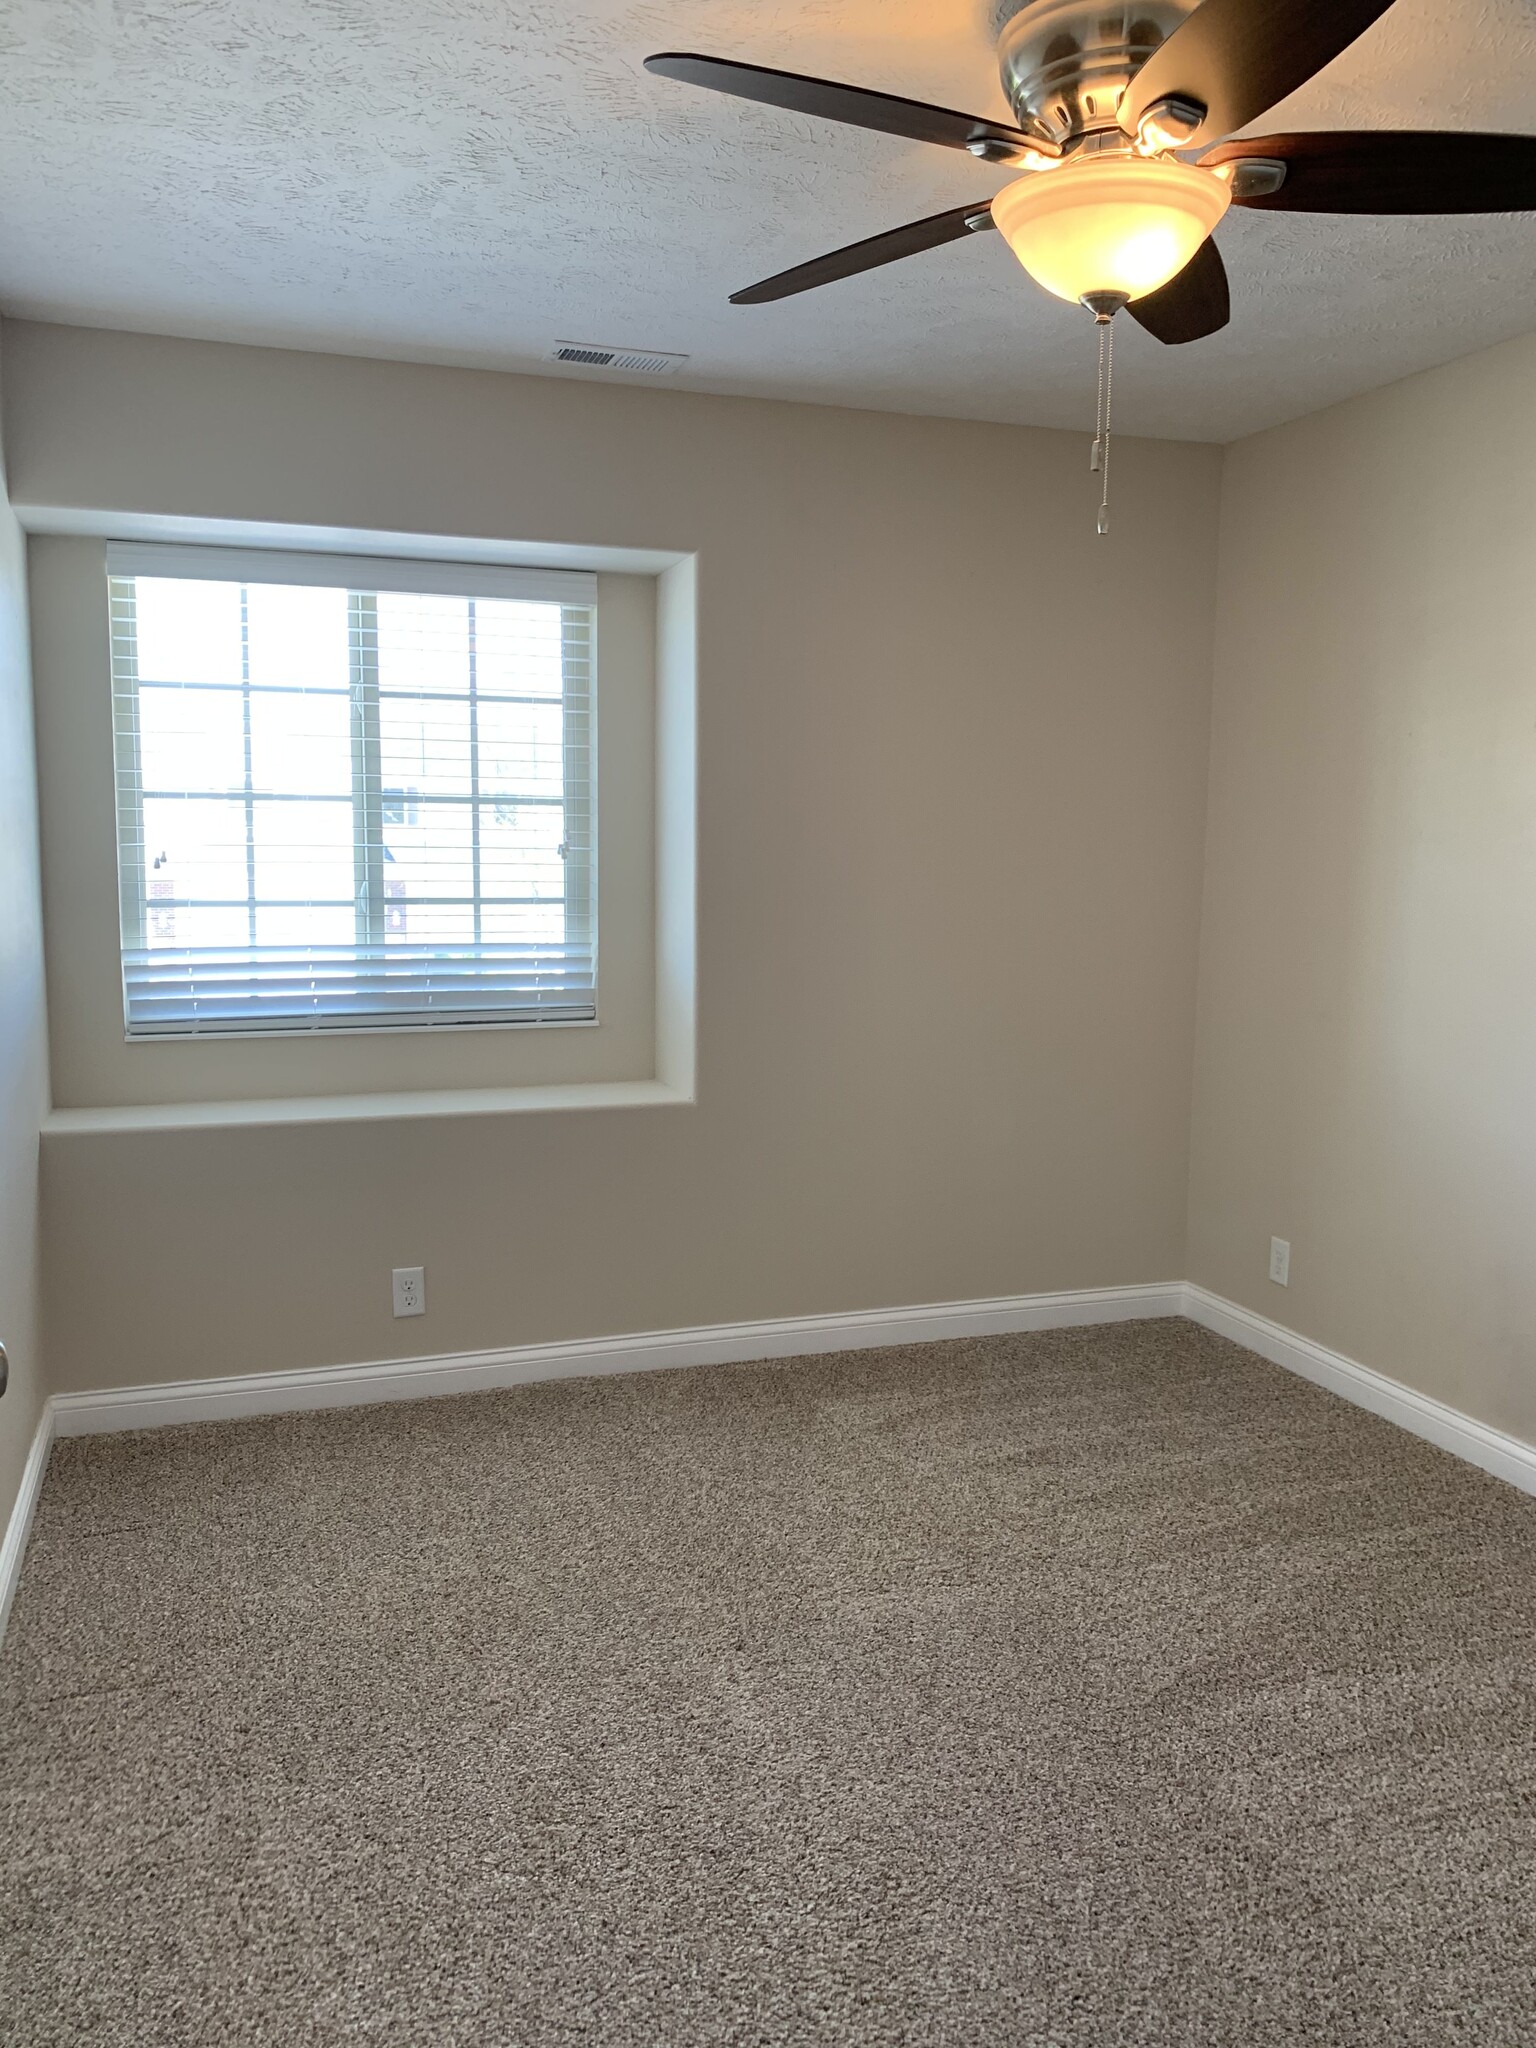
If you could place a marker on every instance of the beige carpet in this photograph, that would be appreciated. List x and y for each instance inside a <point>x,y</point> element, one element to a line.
<point>1102,1687</point>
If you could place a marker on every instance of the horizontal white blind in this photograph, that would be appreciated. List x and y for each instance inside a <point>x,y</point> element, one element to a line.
<point>351,803</point>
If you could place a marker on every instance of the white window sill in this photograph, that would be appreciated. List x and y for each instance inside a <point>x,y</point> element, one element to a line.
<point>345,1109</point>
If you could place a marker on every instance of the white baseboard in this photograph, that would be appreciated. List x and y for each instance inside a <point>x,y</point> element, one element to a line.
<point>13,1547</point>
<point>1507,1457</point>
<point>466,1372</point>
<point>470,1372</point>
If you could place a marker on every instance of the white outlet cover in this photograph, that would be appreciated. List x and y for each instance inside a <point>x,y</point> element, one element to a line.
<point>410,1290</point>
<point>1279,1262</point>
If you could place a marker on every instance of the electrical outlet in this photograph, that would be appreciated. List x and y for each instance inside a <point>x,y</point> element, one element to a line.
<point>1279,1263</point>
<point>410,1290</point>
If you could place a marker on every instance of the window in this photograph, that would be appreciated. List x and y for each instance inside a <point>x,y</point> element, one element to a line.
<point>351,794</point>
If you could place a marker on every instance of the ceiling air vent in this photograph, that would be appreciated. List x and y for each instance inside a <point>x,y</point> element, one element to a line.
<point>639,362</point>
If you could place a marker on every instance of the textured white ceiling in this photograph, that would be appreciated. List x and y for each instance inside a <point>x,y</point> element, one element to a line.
<point>466,180</point>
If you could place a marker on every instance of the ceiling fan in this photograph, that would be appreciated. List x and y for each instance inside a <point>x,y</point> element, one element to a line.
<point>1107,96</point>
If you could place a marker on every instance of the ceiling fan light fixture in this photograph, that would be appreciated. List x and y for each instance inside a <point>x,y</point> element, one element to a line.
<point>1102,224</point>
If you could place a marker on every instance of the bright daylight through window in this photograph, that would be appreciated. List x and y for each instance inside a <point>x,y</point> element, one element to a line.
<point>351,794</point>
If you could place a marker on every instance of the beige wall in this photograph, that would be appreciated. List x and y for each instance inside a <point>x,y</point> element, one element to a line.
<point>951,796</point>
<point>951,855</point>
<point>1366,1079</point>
<point>23,1059</point>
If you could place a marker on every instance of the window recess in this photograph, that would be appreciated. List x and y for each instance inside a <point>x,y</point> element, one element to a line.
<point>351,794</point>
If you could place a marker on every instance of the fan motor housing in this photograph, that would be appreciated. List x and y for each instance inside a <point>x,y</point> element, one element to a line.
<point>1066,63</point>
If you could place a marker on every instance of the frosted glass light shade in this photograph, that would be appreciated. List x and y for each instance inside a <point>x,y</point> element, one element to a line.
<point>1110,224</point>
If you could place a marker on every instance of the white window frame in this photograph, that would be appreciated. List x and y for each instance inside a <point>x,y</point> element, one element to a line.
<point>364,577</point>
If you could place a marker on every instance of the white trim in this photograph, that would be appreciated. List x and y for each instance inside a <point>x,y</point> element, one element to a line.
<point>14,1546</point>
<point>357,572</point>
<point>84,523</point>
<point>677,823</point>
<point>470,1372</point>
<point>108,1409</point>
<point>347,1109</point>
<point>1507,1457</point>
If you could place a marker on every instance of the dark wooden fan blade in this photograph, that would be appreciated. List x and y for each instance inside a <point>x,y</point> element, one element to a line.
<point>916,236</point>
<point>1238,57</point>
<point>1423,170</point>
<point>1188,307</point>
<point>914,119</point>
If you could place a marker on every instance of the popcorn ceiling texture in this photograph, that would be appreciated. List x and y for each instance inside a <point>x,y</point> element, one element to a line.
<point>1097,1689</point>
<point>464,180</point>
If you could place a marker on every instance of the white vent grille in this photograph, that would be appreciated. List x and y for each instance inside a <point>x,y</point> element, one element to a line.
<point>591,355</point>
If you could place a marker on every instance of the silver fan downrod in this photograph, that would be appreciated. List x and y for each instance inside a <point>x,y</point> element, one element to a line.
<point>1066,64</point>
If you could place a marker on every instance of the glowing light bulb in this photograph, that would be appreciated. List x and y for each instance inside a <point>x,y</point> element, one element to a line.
<point>1122,224</point>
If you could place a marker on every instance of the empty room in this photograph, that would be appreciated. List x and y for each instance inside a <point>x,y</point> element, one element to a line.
<point>767,1070</point>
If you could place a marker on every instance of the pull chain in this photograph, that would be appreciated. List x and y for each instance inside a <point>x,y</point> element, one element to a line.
<point>1099,460</point>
